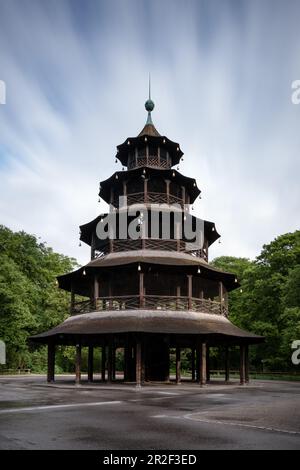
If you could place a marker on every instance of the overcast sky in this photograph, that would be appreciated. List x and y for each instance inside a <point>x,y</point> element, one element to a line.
<point>76,75</point>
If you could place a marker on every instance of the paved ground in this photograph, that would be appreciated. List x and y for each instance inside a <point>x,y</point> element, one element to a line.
<point>263,415</point>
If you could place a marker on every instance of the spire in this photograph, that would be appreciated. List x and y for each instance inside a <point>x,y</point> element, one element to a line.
<point>149,128</point>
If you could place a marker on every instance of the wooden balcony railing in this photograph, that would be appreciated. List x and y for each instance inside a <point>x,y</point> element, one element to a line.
<point>148,244</point>
<point>150,302</point>
<point>152,161</point>
<point>150,198</point>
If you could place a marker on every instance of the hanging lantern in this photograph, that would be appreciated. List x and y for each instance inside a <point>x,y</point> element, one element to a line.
<point>173,174</point>
<point>99,200</point>
<point>84,273</point>
<point>139,267</point>
<point>117,177</point>
<point>213,229</point>
<point>219,240</point>
<point>235,280</point>
<point>178,168</point>
<point>194,184</point>
<point>122,168</point>
<point>116,160</point>
<point>144,171</point>
<point>79,244</point>
<point>198,270</point>
<point>192,208</point>
<point>128,142</point>
<point>164,141</point>
<point>145,139</point>
<point>241,291</point>
<point>177,149</point>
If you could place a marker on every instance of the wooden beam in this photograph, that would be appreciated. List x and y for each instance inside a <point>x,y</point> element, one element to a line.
<point>202,370</point>
<point>138,363</point>
<point>90,363</point>
<point>178,365</point>
<point>193,365</point>
<point>103,363</point>
<point>78,364</point>
<point>242,364</point>
<point>51,363</point>
<point>109,362</point>
<point>246,363</point>
<point>207,364</point>
<point>227,364</point>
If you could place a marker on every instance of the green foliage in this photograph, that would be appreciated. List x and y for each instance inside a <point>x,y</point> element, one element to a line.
<point>269,303</point>
<point>29,299</point>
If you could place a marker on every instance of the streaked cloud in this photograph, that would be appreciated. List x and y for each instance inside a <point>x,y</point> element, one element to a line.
<point>76,81</point>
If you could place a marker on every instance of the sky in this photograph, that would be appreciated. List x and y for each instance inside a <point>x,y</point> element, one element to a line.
<point>76,76</point>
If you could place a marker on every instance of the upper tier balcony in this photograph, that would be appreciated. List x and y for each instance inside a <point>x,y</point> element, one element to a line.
<point>150,302</point>
<point>118,246</point>
<point>148,198</point>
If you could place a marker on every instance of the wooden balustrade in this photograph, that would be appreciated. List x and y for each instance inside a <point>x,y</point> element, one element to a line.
<point>150,244</point>
<point>150,302</point>
<point>150,198</point>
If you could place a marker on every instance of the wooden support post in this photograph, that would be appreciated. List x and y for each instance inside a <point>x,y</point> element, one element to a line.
<point>221,296</point>
<point>193,365</point>
<point>90,363</point>
<point>246,363</point>
<point>78,364</point>
<point>138,363</point>
<point>190,290</point>
<point>202,364</point>
<point>51,363</point>
<point>168,190</point>
<point>242,364</point>
<point>96,291</point>
<point>113,363</point>
<point>145,191</point>
<point>177,297</point>
<point>103,363</point>
<point>72,303</point>
<point>109,362</point>
<point>178,365</point>
<point>207,364</point>
<point>227,364</point>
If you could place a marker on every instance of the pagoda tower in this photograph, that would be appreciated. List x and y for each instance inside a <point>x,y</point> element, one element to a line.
<point>149,286</point>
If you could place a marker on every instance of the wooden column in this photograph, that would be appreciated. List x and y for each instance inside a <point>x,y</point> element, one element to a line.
<point>168,190</point>
<point>103,363</point>
<point>193,365</point>
<point>246,363</point>
<point>221,296</point>
<point>207,364</point>
<point>138,363</point>
<point>242,364</point>
<point>178,365</point>
<point>90,363</point>
<point>203,364</point>
<point>113,363</point>
<point>72,303</point>
<point>109,362</point>
<point>96,291</point>
<point>51,363</point>
<point>78,364</point>
<point>190,290</point>
<point>141,289</point>
<point>177,296</point>
<point>227,364</point>
<point>145,190</point>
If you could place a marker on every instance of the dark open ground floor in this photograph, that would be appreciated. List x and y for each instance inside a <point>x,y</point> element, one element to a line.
<point>34,415</point>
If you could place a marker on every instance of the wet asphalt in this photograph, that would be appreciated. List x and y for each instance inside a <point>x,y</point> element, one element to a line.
<point>34,415</point>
